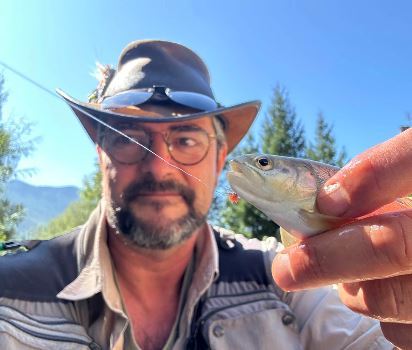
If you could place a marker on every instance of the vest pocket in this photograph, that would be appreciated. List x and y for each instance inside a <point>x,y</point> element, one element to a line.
<point>22,331</point>
<point>263,330</point>
<point>257,320</point>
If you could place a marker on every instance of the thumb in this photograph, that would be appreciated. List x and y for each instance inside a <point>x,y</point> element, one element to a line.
<point>372,179</point>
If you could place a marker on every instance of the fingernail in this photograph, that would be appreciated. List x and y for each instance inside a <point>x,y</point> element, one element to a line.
<point>334,200</point>
<point>281,271</point>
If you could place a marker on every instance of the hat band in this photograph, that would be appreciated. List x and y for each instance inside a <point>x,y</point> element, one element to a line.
<point>160,94</point>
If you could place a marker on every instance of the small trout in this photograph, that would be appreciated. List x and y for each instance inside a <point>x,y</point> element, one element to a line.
<point>285,190</point>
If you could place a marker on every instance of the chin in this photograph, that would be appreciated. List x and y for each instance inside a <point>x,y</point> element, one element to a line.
<point>158,231</point>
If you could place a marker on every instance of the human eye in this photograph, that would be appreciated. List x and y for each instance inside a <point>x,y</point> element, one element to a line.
<point>120,141</point>
<point>187,139</point>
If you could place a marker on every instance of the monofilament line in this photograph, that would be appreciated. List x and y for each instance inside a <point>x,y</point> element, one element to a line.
<point>138,143</point>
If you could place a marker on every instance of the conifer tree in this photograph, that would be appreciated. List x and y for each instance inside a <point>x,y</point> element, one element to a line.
<point>324,147</point>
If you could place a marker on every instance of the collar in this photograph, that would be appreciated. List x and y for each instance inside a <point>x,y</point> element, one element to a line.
<point>92,237</point>
<point>96,270</point>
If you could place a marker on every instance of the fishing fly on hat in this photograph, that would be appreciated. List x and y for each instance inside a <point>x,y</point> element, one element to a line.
<point>158,71</point>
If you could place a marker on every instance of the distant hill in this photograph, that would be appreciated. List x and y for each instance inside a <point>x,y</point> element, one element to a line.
<point>42,203</point>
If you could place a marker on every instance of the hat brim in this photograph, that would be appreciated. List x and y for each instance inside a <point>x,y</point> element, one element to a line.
<point>238,118</point>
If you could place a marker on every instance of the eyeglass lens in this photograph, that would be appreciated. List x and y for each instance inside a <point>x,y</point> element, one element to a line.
<point>186,147</point>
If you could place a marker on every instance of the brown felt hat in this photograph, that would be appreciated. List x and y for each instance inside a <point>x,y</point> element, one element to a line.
<point>149,65</point>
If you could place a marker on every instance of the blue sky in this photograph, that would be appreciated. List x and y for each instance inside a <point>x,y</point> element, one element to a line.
<point>349,59</point>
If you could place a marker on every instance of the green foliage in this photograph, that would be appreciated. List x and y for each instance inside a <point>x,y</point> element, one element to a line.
<point>282,133</point>
<point>324,148</point>
<point>76,213</point>
<point>14,144</point>
<point>92,187</point>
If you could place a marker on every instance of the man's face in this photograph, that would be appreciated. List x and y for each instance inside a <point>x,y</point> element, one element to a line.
<point>150,203</point>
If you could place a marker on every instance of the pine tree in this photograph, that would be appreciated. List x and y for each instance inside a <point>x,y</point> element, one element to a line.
<point>324,148</point>
<point>14,144</point>
<point>281,134</point>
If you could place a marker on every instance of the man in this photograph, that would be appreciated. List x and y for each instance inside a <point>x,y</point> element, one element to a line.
<point>146,271</point>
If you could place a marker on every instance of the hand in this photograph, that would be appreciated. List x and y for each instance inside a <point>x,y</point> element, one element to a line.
<point>371,258</point>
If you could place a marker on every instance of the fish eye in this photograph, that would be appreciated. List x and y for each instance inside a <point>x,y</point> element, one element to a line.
<point>264,163</point>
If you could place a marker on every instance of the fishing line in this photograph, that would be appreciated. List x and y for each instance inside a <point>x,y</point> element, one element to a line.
<point>40,86</point>
<point>143,146</point>
<point>25,77</point>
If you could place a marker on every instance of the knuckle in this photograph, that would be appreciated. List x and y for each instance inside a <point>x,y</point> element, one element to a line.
<point>391,242</point>
<point>309,265</point>
<point>389,299</point>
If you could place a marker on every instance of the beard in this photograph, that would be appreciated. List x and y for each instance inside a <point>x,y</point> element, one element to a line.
<point>162,234</point>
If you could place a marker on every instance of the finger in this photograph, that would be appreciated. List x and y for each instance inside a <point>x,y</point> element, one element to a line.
<point>375,247</point>
<point>374,178</point>
<point>399,335</point>
<point>388,300</point>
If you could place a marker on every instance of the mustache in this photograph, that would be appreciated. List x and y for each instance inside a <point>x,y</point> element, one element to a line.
<point>149,184</point>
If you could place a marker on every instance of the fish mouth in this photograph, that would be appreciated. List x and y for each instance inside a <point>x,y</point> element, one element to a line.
<point>239,178</point>
<point>235,166</point>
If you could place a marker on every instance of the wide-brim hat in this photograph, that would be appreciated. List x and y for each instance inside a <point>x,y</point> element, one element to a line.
<point>147,65</point>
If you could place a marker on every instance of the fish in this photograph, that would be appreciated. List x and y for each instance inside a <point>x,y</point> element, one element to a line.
<point>285,190</point>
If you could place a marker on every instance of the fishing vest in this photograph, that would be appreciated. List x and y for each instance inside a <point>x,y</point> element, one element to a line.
<point>243,300</point>
<point>243,290</point>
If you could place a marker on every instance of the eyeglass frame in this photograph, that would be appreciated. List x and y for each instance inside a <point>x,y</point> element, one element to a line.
<point>164,135</point>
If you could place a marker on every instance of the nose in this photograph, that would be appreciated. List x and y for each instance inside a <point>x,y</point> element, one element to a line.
<point>152,163</point>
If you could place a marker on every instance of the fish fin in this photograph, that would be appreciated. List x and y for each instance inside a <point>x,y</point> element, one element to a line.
<point>318,223</point>
<point>287,238</point>
<point>406,202</point>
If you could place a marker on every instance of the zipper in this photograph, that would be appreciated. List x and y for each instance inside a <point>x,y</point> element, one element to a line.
<point>39,321</point>
<point>243,294</point>
<point>202,320</point>
<point>91,344</point>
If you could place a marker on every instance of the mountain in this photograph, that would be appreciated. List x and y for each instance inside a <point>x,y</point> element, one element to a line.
<point>41,203</point>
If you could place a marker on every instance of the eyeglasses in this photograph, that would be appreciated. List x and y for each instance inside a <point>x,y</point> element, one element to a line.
<point>159,94</point>
<point>187,145</point>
